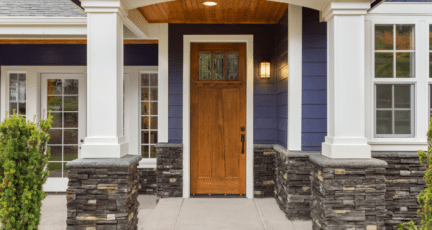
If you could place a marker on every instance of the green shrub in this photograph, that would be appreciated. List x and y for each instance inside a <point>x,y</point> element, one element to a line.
<point>23,157</point>
<point>425,196</point>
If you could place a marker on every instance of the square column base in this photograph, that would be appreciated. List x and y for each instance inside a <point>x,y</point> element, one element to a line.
<point>104,150</point>
<point>348,194</point>
<point>357,149</point>
<point>103,193</point>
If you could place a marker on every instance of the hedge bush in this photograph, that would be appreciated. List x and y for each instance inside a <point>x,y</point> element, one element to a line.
<point>425,196</point>
<point>23,158</point>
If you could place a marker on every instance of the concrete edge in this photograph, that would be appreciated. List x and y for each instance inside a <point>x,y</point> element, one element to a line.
<point>326,162</point>
<point>122,162</point>
<point>168,145</point>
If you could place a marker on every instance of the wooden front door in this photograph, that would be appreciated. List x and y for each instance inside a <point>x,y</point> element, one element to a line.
<point>218,118</point>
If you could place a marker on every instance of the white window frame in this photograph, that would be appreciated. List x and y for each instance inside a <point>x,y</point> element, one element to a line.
<point>421,81</point>
<point>146,162</point>
<point>7,92</point>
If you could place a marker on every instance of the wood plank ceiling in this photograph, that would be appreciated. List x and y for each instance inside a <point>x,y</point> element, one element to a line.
<point>225,12</point>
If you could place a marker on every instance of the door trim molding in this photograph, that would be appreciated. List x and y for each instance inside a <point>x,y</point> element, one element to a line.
<point>187,40</point>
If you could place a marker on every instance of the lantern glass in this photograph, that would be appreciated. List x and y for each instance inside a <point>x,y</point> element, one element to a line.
<point>265,70</point>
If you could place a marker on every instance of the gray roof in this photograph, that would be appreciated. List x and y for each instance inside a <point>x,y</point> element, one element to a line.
<point>39,8</point>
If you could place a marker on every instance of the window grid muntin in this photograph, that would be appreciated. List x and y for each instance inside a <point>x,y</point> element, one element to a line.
<point>394,51</point>
<point>62,112</point>
<point>393,109</point>
<point>150,129</point>
<point>21,84</point>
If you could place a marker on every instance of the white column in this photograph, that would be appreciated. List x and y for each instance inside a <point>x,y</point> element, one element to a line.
<point>104,80</point>
<point>295,44</point>
<point>345,80</point>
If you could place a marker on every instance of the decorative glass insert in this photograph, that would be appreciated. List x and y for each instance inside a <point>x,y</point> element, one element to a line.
<point>149,112</point>
<point>232,66</point>
<point>204,66</point>
<point>62,100</point>
<point>17,94</point>
<point>394,110</point>
<point>394,51</point>
<point>218,66</point>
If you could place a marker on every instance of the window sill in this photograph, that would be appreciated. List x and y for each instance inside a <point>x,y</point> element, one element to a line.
<point>398,144</point>
<point>147,163</point>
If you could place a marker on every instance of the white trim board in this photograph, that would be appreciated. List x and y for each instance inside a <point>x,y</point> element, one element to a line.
<point>187,40</point>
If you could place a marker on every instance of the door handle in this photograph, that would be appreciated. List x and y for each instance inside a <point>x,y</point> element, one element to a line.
<point>243,141</point>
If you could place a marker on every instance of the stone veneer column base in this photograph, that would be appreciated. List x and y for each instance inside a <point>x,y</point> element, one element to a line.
<point>148,185</point>
<point>102,194</point>
<point>169,174</point>
<point>264,170</point>
<point>348,193</point>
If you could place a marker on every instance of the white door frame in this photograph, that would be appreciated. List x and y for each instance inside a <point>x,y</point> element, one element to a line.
<point>187,40</point>
<point>60,184</point>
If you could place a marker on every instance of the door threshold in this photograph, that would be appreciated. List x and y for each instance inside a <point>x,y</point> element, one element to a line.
<point>217,196</point>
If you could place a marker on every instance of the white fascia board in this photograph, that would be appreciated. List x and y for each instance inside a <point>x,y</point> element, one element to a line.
<point>42,21</point>
<point>140,3</point>
<point>43,26</point>
<point>403,8</point>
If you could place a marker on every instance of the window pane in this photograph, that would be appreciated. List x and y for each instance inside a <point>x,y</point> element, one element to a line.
<point>154,124</point>
<point>13,106</point>
<point>384,96</point>
<point>405,37</point>
<point>144,123</point>
<point>55,169</point>
<point>71,120</point>
<point>145,80</point>
<point>71,86</point>
<point>71,103</point>
<point>430,65</point>
<point>54,103</point>
<point>21,93</point>
<point>144,94</point>
<point>204,66</point>
<point>384,122</point>
<point>65,170</point>
<point>383,65</point>
<point>402,96</point>
<point>144,108</point>
<point>56,153</point>
<point>56,120</point>
<point>153,138</point>
<point>218,66</point>
<point>404,65</point>
<point>153,79</point>
<point>71,136</point>
<point>430,96</point>
<point>13,94</point>
<point>232,66</point>
<point>54,86</point>
<point>403,122</point>
<point>145,151</point>
<point>145,137</point>
<point>154,94</point>
<point>22,79</point>
<point>383,37</point>
<point>70,153</point>
<point>22,108</point>
<point>430,37</point>
<point>152,151</point>
<point>13,79</point>
<point>56,136</point>
<point>154,108</point>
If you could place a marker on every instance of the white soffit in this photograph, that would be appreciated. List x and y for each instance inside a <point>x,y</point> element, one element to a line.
<point>403,8</point>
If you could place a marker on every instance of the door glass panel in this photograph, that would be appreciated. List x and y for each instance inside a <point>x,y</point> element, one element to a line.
<point>218,66</point>
<point>232,66</point>
<point>62,100</point>
<point>204,66</point>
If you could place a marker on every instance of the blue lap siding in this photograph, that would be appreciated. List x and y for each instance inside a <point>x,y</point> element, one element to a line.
<point>314,104</point>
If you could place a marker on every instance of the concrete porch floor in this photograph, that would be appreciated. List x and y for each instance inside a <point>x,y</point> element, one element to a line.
<point>190,214</point>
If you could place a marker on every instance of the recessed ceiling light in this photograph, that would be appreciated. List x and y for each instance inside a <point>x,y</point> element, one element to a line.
<point>209,3</point>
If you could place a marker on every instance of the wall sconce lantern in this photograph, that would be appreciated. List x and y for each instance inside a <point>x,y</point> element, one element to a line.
<point>265,70</point>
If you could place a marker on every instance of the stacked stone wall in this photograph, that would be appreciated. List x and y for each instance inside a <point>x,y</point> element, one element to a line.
<point>404,181</point>
<point>148,185</point>
<point>264,171</point>
<point>102,194</point>
<point>348,194</point>
<point>293,184</point>
<point>169,173</point>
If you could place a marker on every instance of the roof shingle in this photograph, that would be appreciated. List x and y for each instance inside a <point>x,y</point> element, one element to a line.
<point>39,8</point>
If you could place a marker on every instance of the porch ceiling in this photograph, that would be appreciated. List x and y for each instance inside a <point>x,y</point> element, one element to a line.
<point>225,12</point>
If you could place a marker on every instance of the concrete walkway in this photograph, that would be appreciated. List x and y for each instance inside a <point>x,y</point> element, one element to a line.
<point>190,214</point>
